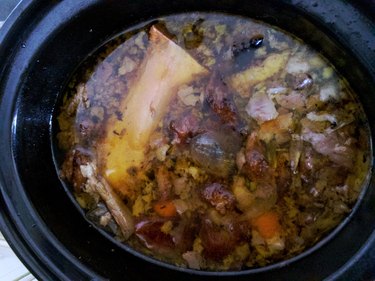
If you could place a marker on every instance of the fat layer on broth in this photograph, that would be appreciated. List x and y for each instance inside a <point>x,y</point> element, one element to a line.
<point>213,142</point>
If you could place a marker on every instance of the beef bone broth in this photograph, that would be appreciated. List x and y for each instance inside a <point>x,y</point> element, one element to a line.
<point>213,142</point>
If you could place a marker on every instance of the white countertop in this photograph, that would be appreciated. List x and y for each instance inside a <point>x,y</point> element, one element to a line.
<point>11,268</point>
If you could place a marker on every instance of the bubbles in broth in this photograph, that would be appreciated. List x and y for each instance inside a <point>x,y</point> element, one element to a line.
<point>213,142</point>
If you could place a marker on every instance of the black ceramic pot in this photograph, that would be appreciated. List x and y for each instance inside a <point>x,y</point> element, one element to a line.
<point>42,44</point>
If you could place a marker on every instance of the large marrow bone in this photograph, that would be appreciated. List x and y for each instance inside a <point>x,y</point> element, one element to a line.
<point>165,68</point>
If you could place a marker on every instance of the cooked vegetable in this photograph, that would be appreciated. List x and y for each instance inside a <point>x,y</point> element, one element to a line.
<point>242,151</point>
<point>165,209</point>
<point>150,232</point>
<point>267,224</point>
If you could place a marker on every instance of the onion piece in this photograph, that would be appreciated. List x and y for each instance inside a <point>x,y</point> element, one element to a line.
<point>181,206</point>
<point>313,116</point>
<point>193,259</point>
<point>295,152</point>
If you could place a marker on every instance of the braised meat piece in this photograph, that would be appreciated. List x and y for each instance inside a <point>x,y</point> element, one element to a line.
<point>150,233</point>
<point>219,197</point>
<point>220,99</point>
<point>71,169</point>
<point>217,241</point>
<point>256,165</point>
<point>185,127</point>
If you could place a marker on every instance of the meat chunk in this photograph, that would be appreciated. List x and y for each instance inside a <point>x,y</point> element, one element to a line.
<point>338,148</point>
<point>219,197</point>
<point>217,241</point>
<point>220,100</point>
<point>261,174</point>
<point>294,101</point>
<point>186,127</point>
<point>71,170</point>
<point>149,232</point>
<point>256,165</point>
<point>178,239</point>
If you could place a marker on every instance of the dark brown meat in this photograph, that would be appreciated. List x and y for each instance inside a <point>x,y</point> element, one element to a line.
<point>186,127</point>
<point>149,232</point>
<point>242,229</point>
<point>221,100</point>
<point>184,233</point>
<point>256,165</point>
<point>217,241</point>
<point>283,175</point>
<point>219,197</point>
<point>257,169</point>
<point>71,168</point>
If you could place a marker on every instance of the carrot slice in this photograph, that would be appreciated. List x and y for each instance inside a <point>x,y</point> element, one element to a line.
<point>267,224</point>
<point>165,209</point>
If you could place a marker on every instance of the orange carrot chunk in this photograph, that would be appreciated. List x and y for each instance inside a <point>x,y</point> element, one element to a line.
<point>165,209</point>
<point>267,224</point>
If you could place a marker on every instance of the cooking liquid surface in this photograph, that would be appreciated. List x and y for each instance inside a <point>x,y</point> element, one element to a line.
<point>213,142</point>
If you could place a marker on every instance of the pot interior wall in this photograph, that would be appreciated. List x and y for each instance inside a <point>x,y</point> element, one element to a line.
<point>48,52</point>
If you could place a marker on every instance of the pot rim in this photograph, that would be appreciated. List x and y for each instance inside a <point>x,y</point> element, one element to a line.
<point>26,250</point>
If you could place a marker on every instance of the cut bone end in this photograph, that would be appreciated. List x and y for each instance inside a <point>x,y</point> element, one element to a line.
<point>165,68</point>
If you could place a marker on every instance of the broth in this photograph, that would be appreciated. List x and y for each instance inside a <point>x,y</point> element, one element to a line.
<point>213,142</point>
